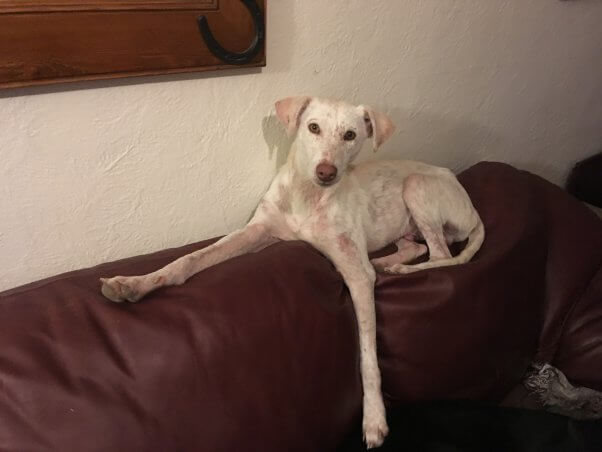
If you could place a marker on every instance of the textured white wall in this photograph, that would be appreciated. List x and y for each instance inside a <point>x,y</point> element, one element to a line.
<point>106,170</point>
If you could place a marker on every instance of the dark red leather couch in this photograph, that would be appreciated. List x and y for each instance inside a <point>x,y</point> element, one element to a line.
<point>260,352</point>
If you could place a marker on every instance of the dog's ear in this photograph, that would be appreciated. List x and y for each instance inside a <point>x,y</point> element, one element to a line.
<point>289,111</point>
<point>378,125</point>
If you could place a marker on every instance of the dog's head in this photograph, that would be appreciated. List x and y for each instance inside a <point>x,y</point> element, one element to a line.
<point>330,134</point>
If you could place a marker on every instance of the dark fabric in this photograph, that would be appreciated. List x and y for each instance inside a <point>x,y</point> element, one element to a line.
<point>585,180</point>
<point>466,427</point>
<point>470,331</point>
<point>574,257</point>
<point>580,351</point>
<point>260,352</point>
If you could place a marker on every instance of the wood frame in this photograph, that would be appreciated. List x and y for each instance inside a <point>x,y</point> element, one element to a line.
<point>53,41</point>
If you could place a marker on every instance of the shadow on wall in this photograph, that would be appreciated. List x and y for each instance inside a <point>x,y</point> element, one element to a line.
<point>277,140</point>
<point>423,136</point>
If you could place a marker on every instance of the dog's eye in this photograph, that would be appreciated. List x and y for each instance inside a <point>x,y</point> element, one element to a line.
<point>349,135</point>
<point>314,128</point>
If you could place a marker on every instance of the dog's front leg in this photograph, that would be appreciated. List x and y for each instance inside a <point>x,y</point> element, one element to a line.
<point>252,237</point>
<point>353,264</point>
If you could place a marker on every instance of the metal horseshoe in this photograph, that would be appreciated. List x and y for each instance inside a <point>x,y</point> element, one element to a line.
<point>235,57</point>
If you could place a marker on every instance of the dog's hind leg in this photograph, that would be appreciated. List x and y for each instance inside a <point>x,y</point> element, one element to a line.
<point>438,204</point>
<point>407,251</point>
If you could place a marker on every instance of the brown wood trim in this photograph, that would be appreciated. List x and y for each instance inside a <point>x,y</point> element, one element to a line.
<point>59,47</point>
<point>87,78</point>
<point>47,6</point>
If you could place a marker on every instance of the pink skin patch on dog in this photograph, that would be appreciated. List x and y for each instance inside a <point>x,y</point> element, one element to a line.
<point>284,200</point>
<point>345,245</point>
<point>310,192</point>
<point>320,226</point>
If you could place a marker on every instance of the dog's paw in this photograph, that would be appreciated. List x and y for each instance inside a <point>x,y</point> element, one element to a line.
<point>399,269</point>
<point>121,288</point>
<point>375,430</point>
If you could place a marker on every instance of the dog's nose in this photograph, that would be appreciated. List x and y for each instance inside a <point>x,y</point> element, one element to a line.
<point>326,172</point>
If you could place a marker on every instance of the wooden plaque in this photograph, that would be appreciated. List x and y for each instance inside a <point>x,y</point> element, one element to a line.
<point>51,41</point>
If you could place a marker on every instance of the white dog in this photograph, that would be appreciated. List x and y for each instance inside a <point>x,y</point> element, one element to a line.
<point>345,211</point>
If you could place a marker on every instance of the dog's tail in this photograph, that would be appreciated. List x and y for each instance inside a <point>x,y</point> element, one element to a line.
<point>475,240</point>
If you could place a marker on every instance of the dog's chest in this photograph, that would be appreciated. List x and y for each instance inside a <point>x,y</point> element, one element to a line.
<point>306,224</point>
<point>308,221</point>
<point>291,223</point>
